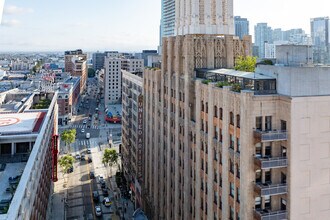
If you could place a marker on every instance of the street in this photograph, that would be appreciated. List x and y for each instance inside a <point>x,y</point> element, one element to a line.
<point>74,191</point>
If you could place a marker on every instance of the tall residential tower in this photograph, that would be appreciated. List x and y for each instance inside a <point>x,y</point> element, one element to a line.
<point>320,32</point>
<point>241,26</point>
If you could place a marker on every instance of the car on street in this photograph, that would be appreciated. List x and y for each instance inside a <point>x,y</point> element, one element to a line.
<point>70,170</point>
<point>82,157</point>
<point>88,135</point>
<point>82,130</point>
<point>91,175</point>
<point>96,196</point>
<point>77,156</point>
<point>98,211</point>
<point>105,192</point>
<point>101,179</point>
<point>89,160</point>
<point>84,121</point>
<point>107,202</point>
<point>89,151</point>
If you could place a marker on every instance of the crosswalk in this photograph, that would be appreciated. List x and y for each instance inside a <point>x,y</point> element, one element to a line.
<point>88,143</point>
<point>84,126</point>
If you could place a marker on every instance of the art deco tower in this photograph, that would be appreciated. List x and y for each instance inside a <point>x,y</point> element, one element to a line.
<point>204,17</point>
<point>176,183</point>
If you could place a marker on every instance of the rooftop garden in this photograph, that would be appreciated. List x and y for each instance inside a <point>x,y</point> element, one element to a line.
<point>42,104</point>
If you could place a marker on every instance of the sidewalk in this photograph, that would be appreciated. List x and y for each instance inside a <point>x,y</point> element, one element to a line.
<point>57,200</point>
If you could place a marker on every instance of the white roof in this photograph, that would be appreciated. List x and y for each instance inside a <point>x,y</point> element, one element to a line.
<point>18,122</point>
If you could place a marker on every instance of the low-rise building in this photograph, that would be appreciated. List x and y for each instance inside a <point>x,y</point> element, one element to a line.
<point>28,153</point>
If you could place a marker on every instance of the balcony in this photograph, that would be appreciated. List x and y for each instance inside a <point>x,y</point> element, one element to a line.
<point>266,214</point>
<point>267,136</point>
<point>265,189</point>
<point>271,162</point>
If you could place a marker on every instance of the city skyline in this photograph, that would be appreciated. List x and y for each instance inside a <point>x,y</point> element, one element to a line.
<point>103,26</point>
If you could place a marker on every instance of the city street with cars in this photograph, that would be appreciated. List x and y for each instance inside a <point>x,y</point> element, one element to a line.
<point>87,191</point>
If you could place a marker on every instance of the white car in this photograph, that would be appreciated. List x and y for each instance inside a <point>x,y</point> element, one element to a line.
<point>98,211</point>
<point>84,121</point>
<point>77,156</point>
<point>82,130</point>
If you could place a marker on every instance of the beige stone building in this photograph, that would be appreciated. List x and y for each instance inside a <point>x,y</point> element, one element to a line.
<point>76,64</point>
<point>224,144</point>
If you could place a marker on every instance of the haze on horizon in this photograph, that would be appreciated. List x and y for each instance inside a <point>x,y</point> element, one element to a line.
<point>126,25</point>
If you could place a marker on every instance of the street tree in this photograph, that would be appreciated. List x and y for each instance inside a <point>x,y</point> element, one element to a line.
<point>69,136</point>
<point>66,162</point>
<point>247,64</point>
<point>110,157</point>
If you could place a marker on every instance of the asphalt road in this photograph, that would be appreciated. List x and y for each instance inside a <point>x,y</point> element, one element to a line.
<point>80,204</point>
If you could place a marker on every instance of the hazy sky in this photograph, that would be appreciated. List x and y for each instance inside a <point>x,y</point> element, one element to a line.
<point>124,25</point>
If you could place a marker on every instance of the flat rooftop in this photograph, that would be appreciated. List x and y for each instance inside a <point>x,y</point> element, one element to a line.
<point>21,123</point>
<point>7,185</point>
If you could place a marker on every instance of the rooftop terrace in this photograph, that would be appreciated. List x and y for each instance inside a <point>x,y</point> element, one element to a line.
<point>257,82</point>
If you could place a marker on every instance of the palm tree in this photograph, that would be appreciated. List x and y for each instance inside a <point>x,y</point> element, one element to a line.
<point>110,157</point>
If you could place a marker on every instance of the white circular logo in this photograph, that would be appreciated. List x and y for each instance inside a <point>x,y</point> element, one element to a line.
<point>8,121</point>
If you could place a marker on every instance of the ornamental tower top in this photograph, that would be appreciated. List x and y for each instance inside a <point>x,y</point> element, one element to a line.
<point>204,17</point>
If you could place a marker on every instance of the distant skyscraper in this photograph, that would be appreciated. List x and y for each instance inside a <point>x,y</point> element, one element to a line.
<point>241,26</point>
<point>167,20</point>
<point>320,37</point>
<point>262,35</point>
<point>2,3</point>
<point>98,60</point>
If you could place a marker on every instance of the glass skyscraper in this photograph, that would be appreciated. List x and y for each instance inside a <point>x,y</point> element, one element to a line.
<point>241,26</point>
<point>262,34</point>
<point>167,19</point>
<point>321,41</point>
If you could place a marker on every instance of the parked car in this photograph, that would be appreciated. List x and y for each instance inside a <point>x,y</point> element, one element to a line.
<point>88,151</point>
<point>77,156</point>
<point>82,157</point>
<point>82,130</point>
<point>105,192</point>
<point>96,196</point>
<point>89,160</point>
<point>98,211</point>
<point>91,175</point>
<point>70,170</point>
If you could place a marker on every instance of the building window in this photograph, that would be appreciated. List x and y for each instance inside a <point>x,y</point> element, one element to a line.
<point>238,171</point>
<point>232,190</point>
<point>283,125</point>
<point>238,121</point>
<point>220,114</point>
<point>258,176</point>
<point>231,214</point>
<point>238,195</point>
<point>202,106</point>
<point>257,203</point>
<point>268,123</point>
<point>267,202</point>
<point>231,144</point>
<point>258,150</point>
<point>231,118</point>
<point>215,197</point>
<point>207,107</point>
<point>259,123</point>
<point>220,138</point>
<point>215,179</point>
<point>238,145</point>
<point>231,166</point>
<point>215,111</point>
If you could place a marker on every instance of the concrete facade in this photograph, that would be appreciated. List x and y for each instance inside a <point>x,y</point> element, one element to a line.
<point>76,64</point>
<point>113,76</point>
<point>33,145</point>
<point>172,181</point>
<point>204,17</point>
<point>132,128</point>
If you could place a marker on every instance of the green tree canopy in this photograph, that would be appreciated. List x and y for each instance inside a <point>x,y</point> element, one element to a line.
<point>69,136</point>
<point>110,157</point>
<point>66,162</point>
<point>246,64</point>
